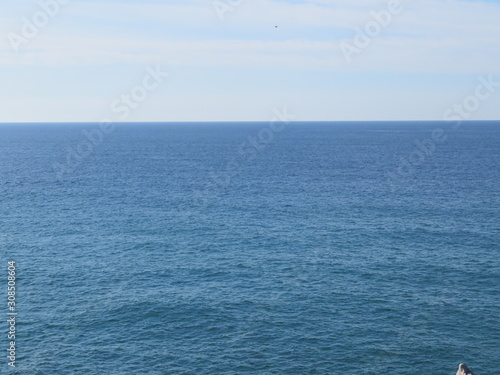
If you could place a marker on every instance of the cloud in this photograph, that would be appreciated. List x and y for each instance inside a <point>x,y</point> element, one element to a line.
<point>428,35</point>
<point>99,47</point>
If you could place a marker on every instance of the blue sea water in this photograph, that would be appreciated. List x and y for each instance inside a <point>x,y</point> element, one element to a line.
<point>247,248</point>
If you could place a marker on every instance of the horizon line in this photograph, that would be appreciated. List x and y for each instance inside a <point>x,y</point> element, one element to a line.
<point>232,121</point>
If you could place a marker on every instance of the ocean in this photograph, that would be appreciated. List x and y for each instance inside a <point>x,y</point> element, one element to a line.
<point>251,248</point>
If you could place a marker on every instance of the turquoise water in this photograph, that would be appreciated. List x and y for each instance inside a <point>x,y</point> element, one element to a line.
<point>312,248</point>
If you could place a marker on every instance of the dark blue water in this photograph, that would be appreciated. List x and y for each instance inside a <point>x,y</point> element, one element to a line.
<point>312,248</point>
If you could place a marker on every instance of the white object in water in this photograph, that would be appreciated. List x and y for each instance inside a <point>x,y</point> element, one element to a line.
<point>464,370</point>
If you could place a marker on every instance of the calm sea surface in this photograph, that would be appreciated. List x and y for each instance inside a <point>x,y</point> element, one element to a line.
<point>252,248</point>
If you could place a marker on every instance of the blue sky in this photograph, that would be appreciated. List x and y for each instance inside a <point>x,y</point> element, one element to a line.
<point>239,67</point>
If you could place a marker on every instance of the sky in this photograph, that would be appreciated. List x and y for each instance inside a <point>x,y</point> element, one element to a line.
<point>241,60</point>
